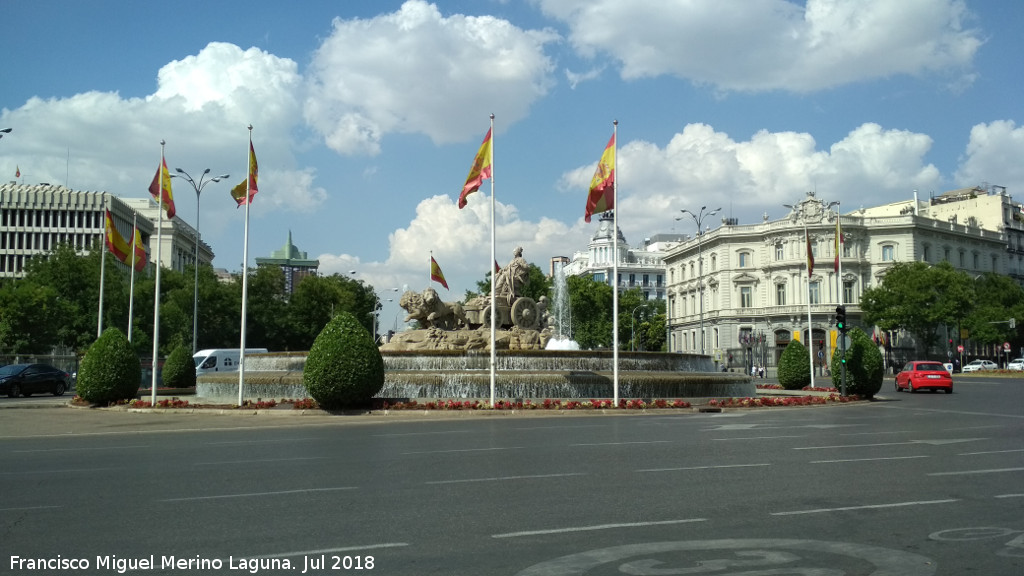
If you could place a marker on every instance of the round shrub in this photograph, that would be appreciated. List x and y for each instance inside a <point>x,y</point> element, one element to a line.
<point>110,370</point>
<point>344,368</point>
<point>865,367</point>
<point>180,369</point>
<point>794,366</point>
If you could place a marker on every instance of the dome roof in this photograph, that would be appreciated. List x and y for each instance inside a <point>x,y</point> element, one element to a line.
<point>604,229</point>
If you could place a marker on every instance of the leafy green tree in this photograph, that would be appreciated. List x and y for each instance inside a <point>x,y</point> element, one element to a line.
<point>110,370</point>
<point>999,298</point>
<point>794,366</point>
<point>865,366</point>
<point>30,317</point>
<point>920,299</point>
<point>179,368</point>
<point>266,321</point>
<point>344,368</point>
<point>591,302</point>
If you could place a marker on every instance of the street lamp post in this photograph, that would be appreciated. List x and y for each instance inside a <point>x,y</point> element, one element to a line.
<point>698,218</point>
<point>198,187</point>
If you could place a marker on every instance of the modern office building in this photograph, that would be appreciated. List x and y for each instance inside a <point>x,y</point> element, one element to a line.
<point>741,292</point>
<point>293,262</point>
<point>34,219</point>
<point>642,267</point>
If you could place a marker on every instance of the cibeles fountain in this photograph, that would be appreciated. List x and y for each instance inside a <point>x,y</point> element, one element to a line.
<point>449,355</point>
<point>535,357</point>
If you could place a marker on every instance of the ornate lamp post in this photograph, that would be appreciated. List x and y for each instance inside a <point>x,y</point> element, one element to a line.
<point>698,218</point>
<point>198,187</point>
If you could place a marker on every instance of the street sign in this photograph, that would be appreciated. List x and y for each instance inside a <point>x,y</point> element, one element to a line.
<point>844,341</point>
<point>1006,346</point>
<point>960,349</point>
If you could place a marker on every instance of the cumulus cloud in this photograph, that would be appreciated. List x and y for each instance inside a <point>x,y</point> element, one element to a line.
<point>994,155</point>
<point>416,71</point>
<point>772,44</point>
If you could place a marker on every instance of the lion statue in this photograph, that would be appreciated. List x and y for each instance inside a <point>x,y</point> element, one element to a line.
<point>431,312</point>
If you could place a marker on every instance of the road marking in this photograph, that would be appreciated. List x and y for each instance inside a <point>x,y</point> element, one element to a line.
<point>702,467</point>
<point>78,449</point>
<point>759,437</point>
<point>65,471</point>
<point>28,508</point>
<point>990,452</point>
<point>259,461</point>
<point>931,442</point>
<point>229,443</point>
<point>333,550</point>
<point>624,443</point>
<point>504,478</point>
<point>966,472</point>
<point>1010,496</point>
<point>252,494</point>
<point>421,433</point>
<point>462,450</point>
<point>597,527</point>
<point>865,507</point>
<point>867,459</point>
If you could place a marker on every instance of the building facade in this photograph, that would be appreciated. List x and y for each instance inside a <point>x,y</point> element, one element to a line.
<point>642,268</point>
<point>34,219</point>
<point>741,293</point>
<point>292,262</point>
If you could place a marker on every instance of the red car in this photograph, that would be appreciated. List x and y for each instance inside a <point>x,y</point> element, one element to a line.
<point>918,375</point>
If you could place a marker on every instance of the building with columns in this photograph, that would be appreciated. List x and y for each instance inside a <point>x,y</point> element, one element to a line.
<point>756,292</point>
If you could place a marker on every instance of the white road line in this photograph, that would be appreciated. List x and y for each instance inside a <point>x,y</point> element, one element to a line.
<point>78,449</point>
<point>28,508</point>
<point>701,467</point>
<point>396,435</point>
<point>259,461</point>
<point>851,446</point>
<point>504,478</point>
<point>253,494</point>
<point>1010,496</point>
<point>966,472</point>
<point>760,437</point>
<point>333,550</point>
<point>65,471</point>
<point>597,527</point>
<point>866,459</point>
<point>624,443</point>
<point>228,443</point>
<point>990,452</point>
<point>866,507</point>
<point>462,450</point>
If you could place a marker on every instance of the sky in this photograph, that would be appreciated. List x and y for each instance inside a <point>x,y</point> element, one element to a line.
<point>367,115</point>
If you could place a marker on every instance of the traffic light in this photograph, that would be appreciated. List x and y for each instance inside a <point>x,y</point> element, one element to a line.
<point>841,318</point>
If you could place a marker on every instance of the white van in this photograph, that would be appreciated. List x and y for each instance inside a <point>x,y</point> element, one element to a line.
<point>220,359</point>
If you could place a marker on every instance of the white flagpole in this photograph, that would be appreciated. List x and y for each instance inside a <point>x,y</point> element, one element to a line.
<point>494,279</point>
<point>103,266</point>
<point>131,284</point>
<point>839,253</point>
<point>156,297</point>
<point>245,266</point>
<point>615,264</point>
<point>810,325</point>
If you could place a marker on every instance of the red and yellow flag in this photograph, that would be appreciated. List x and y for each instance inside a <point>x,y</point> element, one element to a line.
<point>839,242</point>
<point>249,184</point>
<point>602,185</point>
<point>480,171</point>
<point>17,171</point>
<point>435,273</point>
<point>115,242</point>
<point>160,188</point>
<point>810,255</point>
<point>140,251</point>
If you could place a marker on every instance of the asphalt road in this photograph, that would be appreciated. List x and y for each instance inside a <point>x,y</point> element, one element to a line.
<point>909,485</point>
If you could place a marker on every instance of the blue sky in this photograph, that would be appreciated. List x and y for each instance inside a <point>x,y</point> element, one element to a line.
<point>367,114</point>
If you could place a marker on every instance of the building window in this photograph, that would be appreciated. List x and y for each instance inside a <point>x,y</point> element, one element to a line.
<point>994,261</point>
<point>888,253</point>
<point>780,294</point>
<point>846,248</point>
<point>745,260</point>
<point>926,253</point>
<point>779,252</point>
<point>847,292</point>
<point>945,254</point>
<point>815,292</point>
<point>746,297</point>
<point>691,270</point>
<point>814,249</point>
<point>714,263</point>
<point>975,261</point>
<point>963,261</point>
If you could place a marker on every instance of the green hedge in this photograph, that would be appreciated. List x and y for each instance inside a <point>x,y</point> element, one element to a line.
<point>344,368</point>
<point>110,370</point>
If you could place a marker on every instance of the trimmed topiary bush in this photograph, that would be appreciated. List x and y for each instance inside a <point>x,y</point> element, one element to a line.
<point>794,366</point>
<point>865,367</point>
<point>110,370</point>
<point>344,368</point>
<point>179,369</point>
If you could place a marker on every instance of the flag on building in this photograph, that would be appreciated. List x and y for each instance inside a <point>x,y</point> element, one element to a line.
<point>602,185</point>
<point>480,171</point>
<point>160,188</point>
<point>249,184</point>
<point>17,171</point>
<point>115,242</point>
<point>140,251</point>
<point>839,242</point>
<point>810,255</point>
<point>435,273</point>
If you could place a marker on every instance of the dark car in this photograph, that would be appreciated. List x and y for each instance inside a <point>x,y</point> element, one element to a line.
<point>28,379</point>
<point>918,375</point>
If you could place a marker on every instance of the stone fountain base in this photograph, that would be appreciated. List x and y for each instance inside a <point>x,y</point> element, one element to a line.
<point>520,375</point>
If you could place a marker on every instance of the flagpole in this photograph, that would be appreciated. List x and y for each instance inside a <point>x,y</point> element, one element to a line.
<point>615,264</point>
<point>839,253</point>
<point>245,266</point>
<point>810,325</point>
<point>494,279</point>
<point>156,297</point>
<point>103,265</point>
<point>131,284</point>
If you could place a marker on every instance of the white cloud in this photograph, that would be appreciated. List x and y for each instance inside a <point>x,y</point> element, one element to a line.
<point>772,44</point>
<point>416,71</point>
<point>994,155</point>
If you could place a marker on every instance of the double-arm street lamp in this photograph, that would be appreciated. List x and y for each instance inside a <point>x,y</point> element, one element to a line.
<point>198,187</point>
<point>699,219</point>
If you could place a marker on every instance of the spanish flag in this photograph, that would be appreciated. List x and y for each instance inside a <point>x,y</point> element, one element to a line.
<point>602,185</point>
<point>140,251</point>
<point>160,188</point>
<point>249,184</point>
<point>480,171</point>
<point>115,242</point>
<point>435,273</point>
<point>810,255</point>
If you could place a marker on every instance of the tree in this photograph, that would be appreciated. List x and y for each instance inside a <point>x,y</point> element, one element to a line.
<point>794,366</point>
<point>344,368</point>
<point>865,367</point>
<point>998,298</point>
<point>591,302</point>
